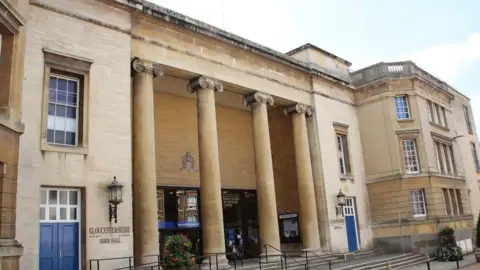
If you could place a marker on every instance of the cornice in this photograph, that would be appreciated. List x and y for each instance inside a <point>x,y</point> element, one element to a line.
<point>10,18</point>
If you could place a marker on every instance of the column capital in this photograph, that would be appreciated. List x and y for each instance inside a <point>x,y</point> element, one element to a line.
<point>298,108</point>
<point>257,97</point>
<point>204,82</point>
<point>151,68</point>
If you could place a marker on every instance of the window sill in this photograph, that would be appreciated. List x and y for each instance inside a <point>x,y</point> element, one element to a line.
<point>439,126</point>
<point>344,177</point>
<point>420,217</point>
<point>405,120</point>
<point>46,147</point>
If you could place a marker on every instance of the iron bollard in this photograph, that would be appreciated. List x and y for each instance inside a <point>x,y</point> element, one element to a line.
<point>458,265</point>
<point>330,265</point>
<point>428,265</point>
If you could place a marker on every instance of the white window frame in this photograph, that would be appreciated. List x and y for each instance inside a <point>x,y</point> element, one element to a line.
<point>402,100</point>
<point>406,156</point>
<point>341,155</point>
<point>77,109</point>
<point>420,204</point>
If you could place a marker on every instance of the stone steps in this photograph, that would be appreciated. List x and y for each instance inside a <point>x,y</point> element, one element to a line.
<point>396,262</point>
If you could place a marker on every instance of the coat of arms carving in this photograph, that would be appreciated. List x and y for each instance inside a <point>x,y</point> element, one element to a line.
<point>188,163</point>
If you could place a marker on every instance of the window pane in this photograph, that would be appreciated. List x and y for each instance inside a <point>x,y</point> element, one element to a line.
<point>52,197</point>
<point>71,99</point>
<point>52,95</point>
<point>72,112</point>
<point>73,198</point>
<point>402,107</point>
<point>43,197</point>
<point>410,156</point>
<point>60,111</point>
<point>61,97</point>
<point>446,200</point>
<point>62,85</point>
<point>50,136</point>
<point>53,82</point>
<point>63,197</point>
<point>52,213</point>
<point>73,213</point>
<point>42,213</point>
<point>63,213</point>
<point>51,109</point>
<point>459,201</point>
<point>72,86</point>
<point>59,137</point>
<point>70,138</point>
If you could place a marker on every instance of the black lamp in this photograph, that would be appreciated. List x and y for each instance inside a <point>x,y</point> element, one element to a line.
<point>115,193</point>
<point>340,202</point>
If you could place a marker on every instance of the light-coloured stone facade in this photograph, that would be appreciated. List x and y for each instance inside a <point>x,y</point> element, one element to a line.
<point>170,102</point>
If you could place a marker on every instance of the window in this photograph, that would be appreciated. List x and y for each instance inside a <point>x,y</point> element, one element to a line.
<point>475,156</point>
<point>453,201</point>
<point>403,111</point>
<point>65,103</point>
<point>191,218</point>
<point>289,230</point>
<point>418,203</point>
<point>62,123</point>
<point>410,156</point>
<point>343,154</point>
<point>445,159</point>
<point>59,205</point>
<point>467,119</point>
<point>191,202</point>
<point>459,201</point>
<point>437,114</point>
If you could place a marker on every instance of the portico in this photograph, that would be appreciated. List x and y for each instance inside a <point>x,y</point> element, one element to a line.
<point>211,97</point>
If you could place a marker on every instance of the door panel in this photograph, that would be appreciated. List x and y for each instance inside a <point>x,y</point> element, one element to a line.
<point>351,233</point>
<point>68,246</point>
<point>48,246</point>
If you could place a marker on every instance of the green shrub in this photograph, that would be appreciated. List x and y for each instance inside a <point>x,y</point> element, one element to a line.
<point>448,250</point>
<point>177,253</point>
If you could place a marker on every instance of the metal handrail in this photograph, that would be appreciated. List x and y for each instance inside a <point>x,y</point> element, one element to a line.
<point>216,258</point>
<point>316,255</point>
<point>251,253</point>
<point>283,256</point>
<point>96,262</point>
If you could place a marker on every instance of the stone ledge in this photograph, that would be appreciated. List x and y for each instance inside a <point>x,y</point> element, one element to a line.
<point>10,248</point>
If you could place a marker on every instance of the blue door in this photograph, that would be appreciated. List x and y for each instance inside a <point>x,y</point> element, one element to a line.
<point>59,229</point>
<point>49,246</point>
<point>351,224</point>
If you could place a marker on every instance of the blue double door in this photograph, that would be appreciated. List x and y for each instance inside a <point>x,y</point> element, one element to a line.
<point>59,246</point>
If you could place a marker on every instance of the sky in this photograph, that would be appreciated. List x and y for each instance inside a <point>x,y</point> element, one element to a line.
<point>441,36</point>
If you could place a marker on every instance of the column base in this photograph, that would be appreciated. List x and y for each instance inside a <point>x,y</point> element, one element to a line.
<point>212,263</point>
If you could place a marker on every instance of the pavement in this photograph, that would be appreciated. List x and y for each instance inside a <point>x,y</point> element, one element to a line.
<point>469,263</point>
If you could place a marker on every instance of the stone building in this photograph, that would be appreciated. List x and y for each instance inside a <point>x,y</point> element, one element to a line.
<point>216,137</point>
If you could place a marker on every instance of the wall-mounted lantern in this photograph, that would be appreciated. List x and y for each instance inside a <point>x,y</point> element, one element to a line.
<point>115,198</point>
<point>340,202</point>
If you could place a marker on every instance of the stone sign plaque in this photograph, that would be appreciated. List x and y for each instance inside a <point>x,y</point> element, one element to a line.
<point>109,235</point>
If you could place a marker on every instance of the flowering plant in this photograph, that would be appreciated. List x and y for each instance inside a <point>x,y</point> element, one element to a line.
<point>448,250</point>
<point>177,253</point>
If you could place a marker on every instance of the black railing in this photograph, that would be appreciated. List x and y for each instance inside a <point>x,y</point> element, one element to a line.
<point>252,254</point>
<point>283,257</point>
<point>315,256</point>
<point>156,263</point>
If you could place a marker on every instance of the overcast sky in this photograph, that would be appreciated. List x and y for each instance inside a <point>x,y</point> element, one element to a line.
<point>441,36</point>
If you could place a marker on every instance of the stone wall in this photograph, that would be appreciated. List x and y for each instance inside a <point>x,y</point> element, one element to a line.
<point>109,149</point>
<point>176,135</point>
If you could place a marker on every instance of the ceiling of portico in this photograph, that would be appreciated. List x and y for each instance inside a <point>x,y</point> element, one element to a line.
<point>175,81</point>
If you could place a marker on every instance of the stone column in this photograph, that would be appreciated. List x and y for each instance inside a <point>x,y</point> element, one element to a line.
<point>209,164</point>
<point>266,201</point>
<point>145,222</point>
<point>306,190</point>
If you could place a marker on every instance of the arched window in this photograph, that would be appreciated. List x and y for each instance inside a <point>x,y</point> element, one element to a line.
<point>191,202</point>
